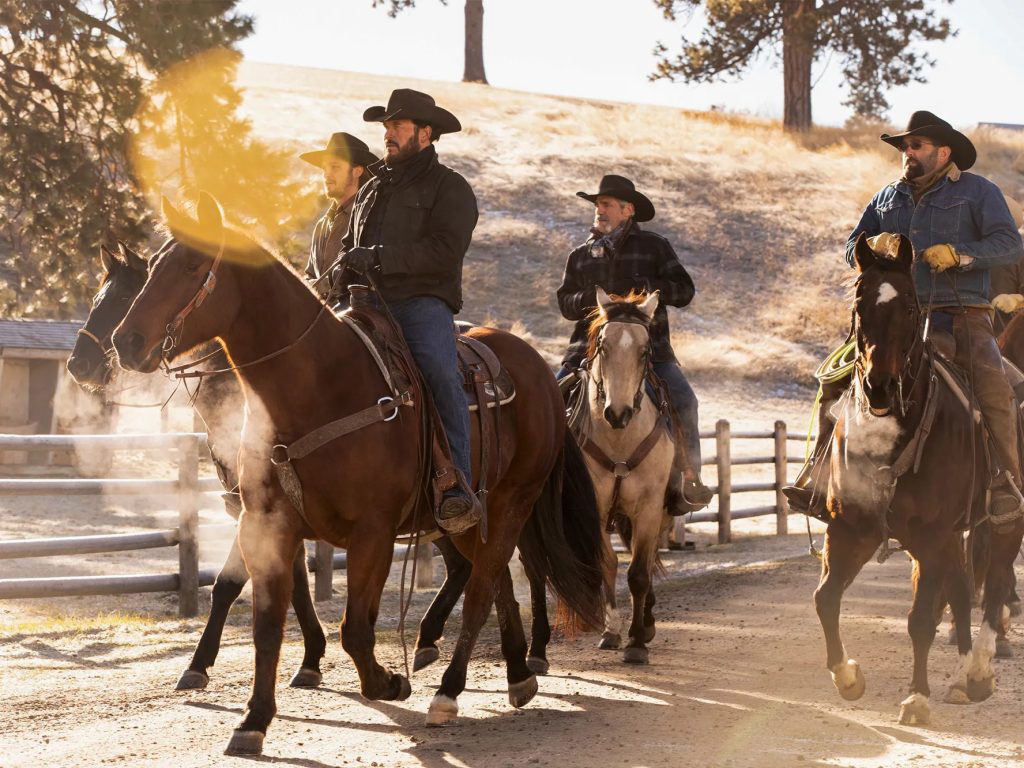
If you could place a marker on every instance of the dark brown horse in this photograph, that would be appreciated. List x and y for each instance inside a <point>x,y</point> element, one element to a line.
<point>892,478</point>
<point>301,368</point>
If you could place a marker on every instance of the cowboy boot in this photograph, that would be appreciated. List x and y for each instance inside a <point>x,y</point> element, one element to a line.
<point>809,492</point>
<point>685,492</point>
<point>460,508</point>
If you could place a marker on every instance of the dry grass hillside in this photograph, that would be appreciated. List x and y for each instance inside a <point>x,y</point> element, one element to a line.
<point>758,217</point>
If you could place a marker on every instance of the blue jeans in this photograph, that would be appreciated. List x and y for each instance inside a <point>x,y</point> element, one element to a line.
<point>428,325</point>
<point>683,400</point>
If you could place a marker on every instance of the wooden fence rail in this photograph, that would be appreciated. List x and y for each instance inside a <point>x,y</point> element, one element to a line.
<point>324,561</point>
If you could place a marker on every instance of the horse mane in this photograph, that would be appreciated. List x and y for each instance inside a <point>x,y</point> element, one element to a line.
<point>625,308</point>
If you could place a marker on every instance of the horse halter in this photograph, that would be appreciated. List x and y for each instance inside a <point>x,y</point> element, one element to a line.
<point>174,327</point>
<point>645,364</point>
<point>103,344</point>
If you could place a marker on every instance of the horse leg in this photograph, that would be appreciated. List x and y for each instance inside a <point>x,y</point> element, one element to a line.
<point>457,570</point>
<point>369,563</point>
<point>488,564</point>
<point>226,589</point>
<point>610,638</point>
<point>540,629</point>
<point>271,544</point>
<point>313,639</point>
<point>929,575</point>
<point>638,576</point>
<point>959,595</point>
<point>844,555</point>
<point>649,629</point>
<point>522,682</point>
<point>981,681</point>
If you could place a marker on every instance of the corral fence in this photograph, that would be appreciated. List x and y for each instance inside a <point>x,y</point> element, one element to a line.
<point>323,561</point>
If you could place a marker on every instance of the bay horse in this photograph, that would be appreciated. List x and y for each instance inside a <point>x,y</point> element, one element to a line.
<point>220,403</point>
<point>908,463</point>
<point>300,369</point>
<point>629,452</point>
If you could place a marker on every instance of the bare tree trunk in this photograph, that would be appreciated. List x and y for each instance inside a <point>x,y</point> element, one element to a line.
<point>474,71</point>
<point>798,30</point>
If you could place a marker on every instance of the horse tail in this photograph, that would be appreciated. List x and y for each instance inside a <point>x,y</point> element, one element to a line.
<point>562,541</point>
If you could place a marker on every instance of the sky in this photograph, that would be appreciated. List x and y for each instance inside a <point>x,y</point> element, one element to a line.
<point>599,49</point>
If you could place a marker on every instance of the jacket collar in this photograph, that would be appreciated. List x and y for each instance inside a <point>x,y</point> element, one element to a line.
<point>405,169</point>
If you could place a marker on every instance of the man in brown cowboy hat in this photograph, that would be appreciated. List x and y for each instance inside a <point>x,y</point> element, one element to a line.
<point>621,257</point>
<point>410,230</point>
<point>344,165</point>
<point>960,228</point>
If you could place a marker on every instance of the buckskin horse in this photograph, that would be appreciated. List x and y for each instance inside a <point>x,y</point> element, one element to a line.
<point>220,403</point>
<point>629,453</point>
<point>908,463</point>
<point>302,369</point>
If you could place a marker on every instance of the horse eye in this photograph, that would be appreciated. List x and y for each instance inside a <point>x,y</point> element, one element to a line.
<point>192,267</point>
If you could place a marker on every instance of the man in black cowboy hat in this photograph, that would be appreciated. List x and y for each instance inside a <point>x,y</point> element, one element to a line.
<point>961,228</point>
<point>410,230</point>
<point>621,257</point>
<point>344,165</point>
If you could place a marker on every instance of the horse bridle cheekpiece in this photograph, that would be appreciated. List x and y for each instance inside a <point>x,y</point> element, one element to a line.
<point>638,398</point>
<point>206,289</point>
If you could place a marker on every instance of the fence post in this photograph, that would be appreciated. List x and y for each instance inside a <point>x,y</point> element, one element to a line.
<point>323,579</point>
<point>724,462</point>
<point>425,564</point>
<point>188,526</point>
<point>781,468</point>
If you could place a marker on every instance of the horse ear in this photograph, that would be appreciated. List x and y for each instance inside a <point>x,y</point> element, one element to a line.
<point>108,259</point>
<point>863,254</point>
<point>131,258</point>
<point>177,222</point>
<point>905,254</point>
<point>211,215</point>
<point>648,305</point>
<point>603,299</point>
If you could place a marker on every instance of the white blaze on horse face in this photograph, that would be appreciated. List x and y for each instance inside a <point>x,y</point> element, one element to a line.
<point>886,293</point>
<point>623,347</point>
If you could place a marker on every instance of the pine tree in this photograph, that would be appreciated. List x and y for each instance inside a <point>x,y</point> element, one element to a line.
<point>874,42</point>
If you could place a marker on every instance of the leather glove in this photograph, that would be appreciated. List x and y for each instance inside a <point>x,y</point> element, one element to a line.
<point>886,245</point>
<point>1008,302</point>
<point>941,257</point>
<point>360,260</point>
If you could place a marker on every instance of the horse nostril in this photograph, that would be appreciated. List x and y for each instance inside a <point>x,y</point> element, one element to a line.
<point>129,345</point>
<point>76,366</point>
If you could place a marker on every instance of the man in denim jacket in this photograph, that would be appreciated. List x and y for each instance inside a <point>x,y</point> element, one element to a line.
<point>961,228</point>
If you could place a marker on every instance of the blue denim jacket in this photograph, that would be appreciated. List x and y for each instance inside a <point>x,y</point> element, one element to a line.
<point>968,213</point>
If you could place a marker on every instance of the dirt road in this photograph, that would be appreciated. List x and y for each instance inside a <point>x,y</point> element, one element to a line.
<point>736,679</point>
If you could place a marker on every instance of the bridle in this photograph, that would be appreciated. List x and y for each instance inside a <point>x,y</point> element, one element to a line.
<point>103,344</point>
<point>645,363</point>
<point>174,327</point>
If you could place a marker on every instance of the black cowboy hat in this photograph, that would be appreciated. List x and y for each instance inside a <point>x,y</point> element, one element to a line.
<point>344,146</point>
<point>930,126</point>
<point>622,189</point>
<point>407,104</point>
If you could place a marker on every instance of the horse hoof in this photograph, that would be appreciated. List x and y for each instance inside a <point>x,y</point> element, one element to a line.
<point>914,710</point>
<point>192,680</point>
<point>443,710</point>
<point>979,690</point>
<point>610,641</point>
<point>1015,608</point>
<point>849,680</point>
<point>425,657</point>
<point>1003,649</point>
<point>951,637</point>
<point>957,694</point>
<point>520,694</point>
<point>649,633</point>
<point>245,743</point>
<point>306,678</point>
<point>635,655</point>
<point>537,665</point>
<point>404,690</point>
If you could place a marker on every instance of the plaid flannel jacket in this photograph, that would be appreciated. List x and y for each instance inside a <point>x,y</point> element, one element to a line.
<point>643,261</point>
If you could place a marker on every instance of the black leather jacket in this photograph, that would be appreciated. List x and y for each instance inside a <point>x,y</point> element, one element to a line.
<point>420,215</point>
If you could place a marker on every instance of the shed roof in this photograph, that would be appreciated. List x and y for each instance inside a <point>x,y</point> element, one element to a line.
<point>39,334</point>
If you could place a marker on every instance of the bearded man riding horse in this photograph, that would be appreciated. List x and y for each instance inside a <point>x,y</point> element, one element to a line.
<point>960,228</point>
<point>619,257</point>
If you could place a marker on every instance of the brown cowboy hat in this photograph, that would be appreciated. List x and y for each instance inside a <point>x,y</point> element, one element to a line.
<point>622,189</point>
<point>344,146</point>
<point>407,104</point>
<point>927,125</point>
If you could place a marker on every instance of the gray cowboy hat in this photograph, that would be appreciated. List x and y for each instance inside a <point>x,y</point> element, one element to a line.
<point>929,126</point>
<point>344,146</point>
<point>622,189</point>
<point>407,104</point>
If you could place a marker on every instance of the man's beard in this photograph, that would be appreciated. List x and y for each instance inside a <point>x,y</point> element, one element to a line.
<point>405,151</point>
<point>913,169</point>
